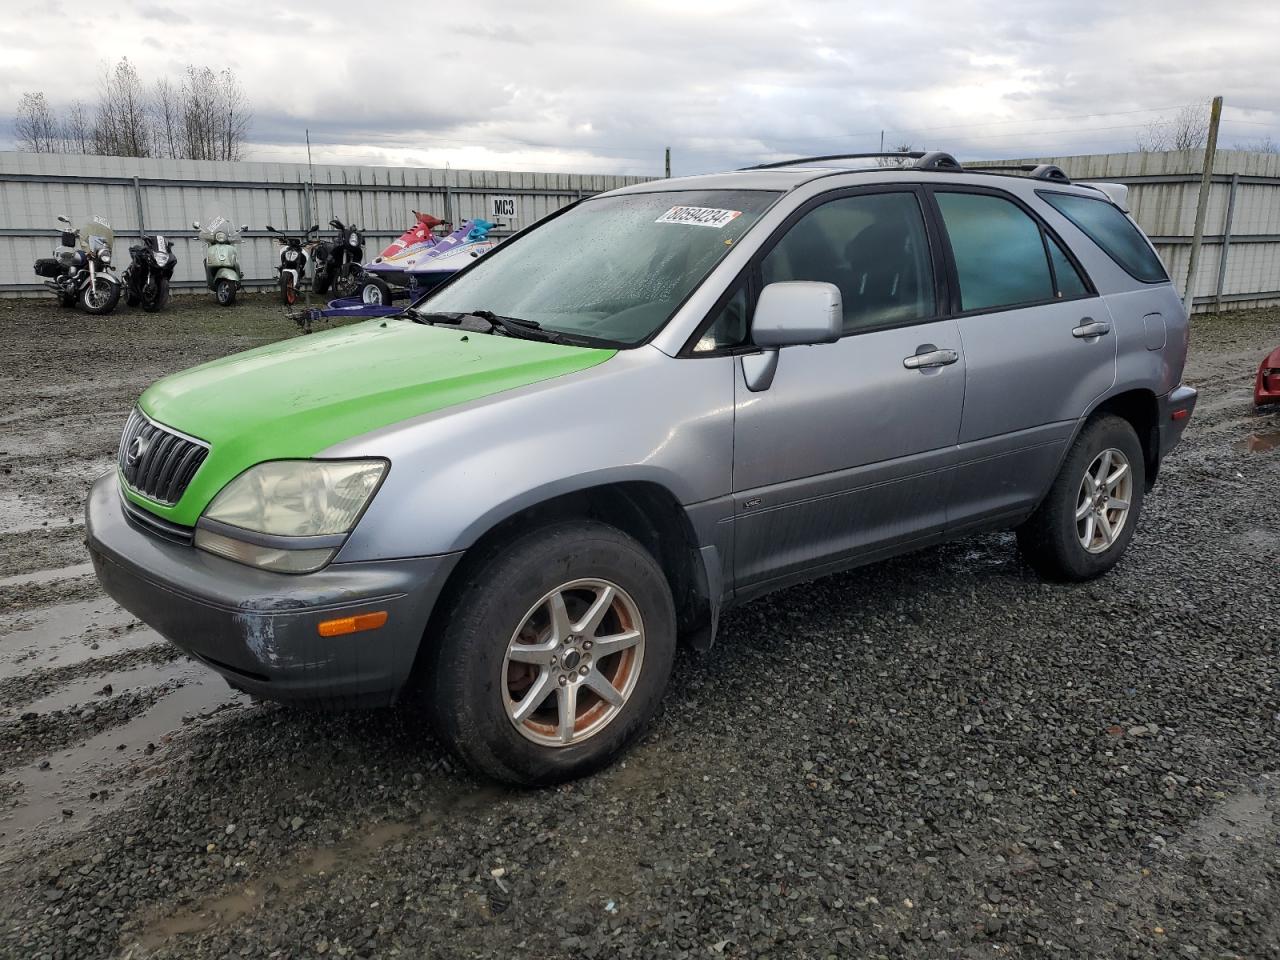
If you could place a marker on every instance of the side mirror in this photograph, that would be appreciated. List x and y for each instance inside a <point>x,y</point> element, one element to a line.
<point>271,228</point>
<point>788,314</point>
<point>64,220</point>
<point>244,227</point>
<point>195,224</point>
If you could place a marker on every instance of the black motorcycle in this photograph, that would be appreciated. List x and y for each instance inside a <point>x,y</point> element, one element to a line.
<point>293,262</point>
<point>146,279</point>
<point>338,261</point>
<point>80,268</point>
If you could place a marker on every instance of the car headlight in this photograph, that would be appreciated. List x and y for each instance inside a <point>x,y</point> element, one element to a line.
<point>104,257</point>
<point>219,237</point>
<point>161,258</point>
<point>290,516</point>
<point>354,239</point>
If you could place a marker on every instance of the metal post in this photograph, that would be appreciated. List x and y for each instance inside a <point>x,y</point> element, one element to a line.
<point>1226,240</point>
<point>668,163</point>
<point>1202,203</point>
<point>137,196</point>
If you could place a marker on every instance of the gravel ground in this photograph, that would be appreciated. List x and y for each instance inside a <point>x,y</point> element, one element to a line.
<point>936,756</point>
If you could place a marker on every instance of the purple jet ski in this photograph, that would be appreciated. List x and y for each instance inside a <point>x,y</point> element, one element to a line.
<point>409,267</point>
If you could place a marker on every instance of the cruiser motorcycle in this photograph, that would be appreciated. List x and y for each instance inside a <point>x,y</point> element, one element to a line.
<point>80,269</point>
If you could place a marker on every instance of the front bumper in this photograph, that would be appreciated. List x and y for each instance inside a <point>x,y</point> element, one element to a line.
<point>1175,411</point>
<point>259,629</point>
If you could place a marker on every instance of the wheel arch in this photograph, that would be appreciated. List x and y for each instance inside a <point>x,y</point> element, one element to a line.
<point>645,510</point>
<point>1141,408</point>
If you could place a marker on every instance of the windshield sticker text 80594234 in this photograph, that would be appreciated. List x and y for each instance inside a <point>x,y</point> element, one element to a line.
<point>699,216</point>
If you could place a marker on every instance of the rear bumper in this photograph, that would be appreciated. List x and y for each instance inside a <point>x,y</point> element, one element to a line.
<point>259,629</point>
<point>1175,411</point>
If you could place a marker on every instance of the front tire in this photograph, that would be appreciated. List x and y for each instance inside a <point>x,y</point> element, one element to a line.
<point>348,280</point>
<point>225,291</point>
<point>100,296</point>
<point>288,292</point>
<point>1085,523</point>
<point>554,654</point>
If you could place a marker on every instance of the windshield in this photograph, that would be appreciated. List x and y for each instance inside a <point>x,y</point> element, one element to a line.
<point>219,230</point>
<point>614,268</point>
<point>97,234</point>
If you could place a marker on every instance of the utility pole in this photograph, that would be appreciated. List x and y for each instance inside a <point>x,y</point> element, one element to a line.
<point>882,141</point>
<point>668,163</point>
<point>1202,202</point>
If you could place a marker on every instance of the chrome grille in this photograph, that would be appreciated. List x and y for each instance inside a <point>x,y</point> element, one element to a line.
<point>156,461</point>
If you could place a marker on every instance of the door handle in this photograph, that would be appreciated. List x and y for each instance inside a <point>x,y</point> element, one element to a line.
<point>1091,328</point>
<point>934,358</point>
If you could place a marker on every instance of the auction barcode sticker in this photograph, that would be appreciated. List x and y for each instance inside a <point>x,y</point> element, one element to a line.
<point>699,216</point>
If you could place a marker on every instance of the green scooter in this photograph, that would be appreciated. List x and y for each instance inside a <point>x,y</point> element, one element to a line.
<point>221,258</point>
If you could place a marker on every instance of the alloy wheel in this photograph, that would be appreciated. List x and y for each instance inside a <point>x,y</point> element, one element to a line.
<point>1102,505</point>
<point>573,662</point>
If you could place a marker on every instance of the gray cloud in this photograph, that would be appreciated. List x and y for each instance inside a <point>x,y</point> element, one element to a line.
<point>605,87</point>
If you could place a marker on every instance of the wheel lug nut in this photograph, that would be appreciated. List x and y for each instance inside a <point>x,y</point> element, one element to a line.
<point>584,669</point>
<point>563,680</point>
<point>586,644</point>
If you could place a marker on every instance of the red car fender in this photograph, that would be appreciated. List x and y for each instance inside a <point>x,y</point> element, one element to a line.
<point>1267,386</point>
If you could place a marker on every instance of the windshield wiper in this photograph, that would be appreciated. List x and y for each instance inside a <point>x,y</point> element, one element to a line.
<point>511,326</point>
<point>431,319</point>
<point>516,326</point>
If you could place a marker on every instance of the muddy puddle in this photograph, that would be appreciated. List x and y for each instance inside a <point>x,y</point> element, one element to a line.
<point>99,774</point>
<point>445,808</point>
<point>52,575</point>
<point>1258,442</point>
<point>87,690</point>
<point>19,514</point>
<point>69,633</point>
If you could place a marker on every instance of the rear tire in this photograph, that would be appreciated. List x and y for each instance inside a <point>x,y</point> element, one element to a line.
<point>505,603</point>
<point>1079,509</point>
<point>225,291</point>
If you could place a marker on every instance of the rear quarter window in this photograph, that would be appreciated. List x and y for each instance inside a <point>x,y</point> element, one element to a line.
<point>1110,229</point>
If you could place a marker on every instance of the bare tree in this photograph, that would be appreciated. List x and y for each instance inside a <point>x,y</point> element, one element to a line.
<point>77,130</point>
<point>1264,145</point>
<point>166,118</point>
<point>894,161</point>
<point>1188,129</point>
<point>122,126</point>
<point>205,117</point>
<point>34,127</point>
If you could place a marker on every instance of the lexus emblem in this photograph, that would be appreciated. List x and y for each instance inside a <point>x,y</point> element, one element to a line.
<point>135,451</point>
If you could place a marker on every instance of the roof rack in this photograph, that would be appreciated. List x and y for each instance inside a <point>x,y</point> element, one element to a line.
<point>933,160</point>
<point>1038,171</point>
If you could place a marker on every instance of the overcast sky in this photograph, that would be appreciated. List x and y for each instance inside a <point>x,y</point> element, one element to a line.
<point>603,86</point>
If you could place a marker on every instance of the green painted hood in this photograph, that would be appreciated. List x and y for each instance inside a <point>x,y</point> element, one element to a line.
<point>295,398</point>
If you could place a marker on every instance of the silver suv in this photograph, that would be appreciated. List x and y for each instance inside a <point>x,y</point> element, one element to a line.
<point>517,496</point>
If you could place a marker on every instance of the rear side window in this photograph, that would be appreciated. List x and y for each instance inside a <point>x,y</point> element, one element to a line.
<point>998,250</point>
<point>1115,233</point>
<point>1070,283</point>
